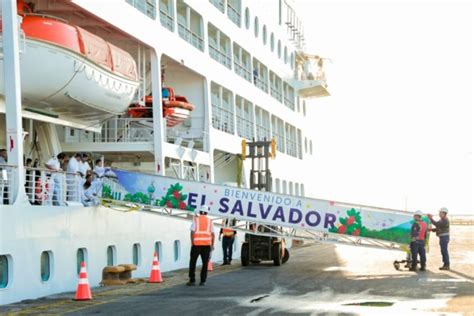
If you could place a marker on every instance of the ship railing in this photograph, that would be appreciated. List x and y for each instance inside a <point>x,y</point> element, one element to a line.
<point>291,147</point>
<point>280,140</point>
<point>233,14</point>
<point>289,102</point>
<point>222,119</point>
<point>245,127</point>
<point>275,92</point>
<point>190,37</point>
<point>120,130</point>
<point>243,71</point>
<point>146,7</point>
<point>42,186</point>
<point>260,83</point>
<point>263,132</point>
<point>218,4</point>
<point>166,20</point>
<point>221,57</point>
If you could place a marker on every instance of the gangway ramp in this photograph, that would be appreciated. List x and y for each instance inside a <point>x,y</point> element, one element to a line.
<point>283,215</point>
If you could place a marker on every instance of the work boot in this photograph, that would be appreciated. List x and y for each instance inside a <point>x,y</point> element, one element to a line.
<point>412,269</point>
<point>224,263</point>
<point>202,283</point>
<point>444,268</point>
<point>191,283</point>
<point>422,269</point>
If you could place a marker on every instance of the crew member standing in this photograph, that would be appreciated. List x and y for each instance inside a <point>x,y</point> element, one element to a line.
<point>228,235</point>
<point>202,240</point>
<point>442,231</point>
<point>418,235</point>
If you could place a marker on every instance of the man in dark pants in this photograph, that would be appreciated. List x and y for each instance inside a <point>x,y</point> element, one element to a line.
<point>418,234</point>
<point>227,240</point>
<point>202,240</point>
<point>442,231</point>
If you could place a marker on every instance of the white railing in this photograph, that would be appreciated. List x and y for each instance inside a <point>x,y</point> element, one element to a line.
<point>119,130</point>
<point>290,103</point>
<point>222,119</point>
<point>260,83</point>
<point>221,57</point>
<point>190,37</point>
<point>233,14</point>
<point>245,127</point>
<point>276,93</point>
<point>218,4</point>
<point>144,6</point>
<point>166,20</point>
<point>263,133</point>
<point>280,140</point>
<point>243,72</point>
<point>43,186</point>
<point>291,147</point>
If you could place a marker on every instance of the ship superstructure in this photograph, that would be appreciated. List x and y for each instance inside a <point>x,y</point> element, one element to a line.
<point>169,87</point>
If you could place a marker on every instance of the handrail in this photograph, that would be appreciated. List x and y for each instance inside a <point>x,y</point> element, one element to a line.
<point>220,56</point>
<point>190,37</point>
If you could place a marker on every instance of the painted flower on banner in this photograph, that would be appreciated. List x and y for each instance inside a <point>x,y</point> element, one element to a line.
<point>174,198</point>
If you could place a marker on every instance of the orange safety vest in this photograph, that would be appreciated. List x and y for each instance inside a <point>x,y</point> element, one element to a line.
<point>423,228</point>
<point>203,231</point>
<point>227,232</point>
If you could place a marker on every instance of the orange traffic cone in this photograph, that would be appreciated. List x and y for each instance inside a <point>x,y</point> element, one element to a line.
<point>155,275</point>
<point>209,265</point>
<point>83,292</point>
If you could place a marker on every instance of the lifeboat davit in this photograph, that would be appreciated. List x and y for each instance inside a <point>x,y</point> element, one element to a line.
<point>69,71</point>
<point>176,108</point>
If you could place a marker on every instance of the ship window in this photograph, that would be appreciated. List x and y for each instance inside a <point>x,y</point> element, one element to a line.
<point>285,55</point>
<point>81,256</point>
<point>255,26</point>
<point>111,255</point>
<point>147,7</point>
<point>297,189</point>
<point>311,147</point>
<point>177,250</point>
<point>159,250</point>
<point>247,18</point>
<point>305,145</point>
<point>4,271</point>
<point>272,42</point>
<point>284,187</point>
<point>290,188</point>
<point>46,265</point>
<point>264,35</point>
<point>277,185</point>
<point>136,254</point>
<point>279,49</point>
<point>304,108</point>
<point>302,189</point>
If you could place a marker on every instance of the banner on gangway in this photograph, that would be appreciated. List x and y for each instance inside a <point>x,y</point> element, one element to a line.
<point>261,207</point>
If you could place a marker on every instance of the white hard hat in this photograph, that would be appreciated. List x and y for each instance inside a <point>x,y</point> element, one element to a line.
<point>444,210</point>
<point>204,209</point>
<point>419,213</point>
<point>196,212</point>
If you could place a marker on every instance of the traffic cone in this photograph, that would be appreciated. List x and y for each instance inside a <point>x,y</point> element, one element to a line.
<point>155,275</point>
<point>83,292</point>
<point>209,265</point>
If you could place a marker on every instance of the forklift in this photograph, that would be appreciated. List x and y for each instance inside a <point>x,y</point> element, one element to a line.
<point>257,248</point>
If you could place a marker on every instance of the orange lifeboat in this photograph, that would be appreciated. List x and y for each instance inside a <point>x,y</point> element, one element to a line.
<point>176,108</point>
<point>73,72</point>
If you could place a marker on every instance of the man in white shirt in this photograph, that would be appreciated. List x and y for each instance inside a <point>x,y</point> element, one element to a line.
<point>72,178</point>
<point>84,165</point>
<point>54,164</point>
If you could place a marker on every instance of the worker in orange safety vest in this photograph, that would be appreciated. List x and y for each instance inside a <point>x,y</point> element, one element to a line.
<point>419,232</point>
<point>228,235</point>
<point>202,240</point>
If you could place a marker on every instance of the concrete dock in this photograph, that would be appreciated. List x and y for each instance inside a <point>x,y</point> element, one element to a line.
<point>319,279</point>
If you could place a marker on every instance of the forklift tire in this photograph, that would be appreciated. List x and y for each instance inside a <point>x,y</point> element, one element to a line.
<point>245,254</point>
<point>276,253</point>
<point>286,256</point>
<point>396,265</point>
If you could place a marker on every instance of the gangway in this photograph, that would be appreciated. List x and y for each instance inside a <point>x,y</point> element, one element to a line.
<point>302,218</point>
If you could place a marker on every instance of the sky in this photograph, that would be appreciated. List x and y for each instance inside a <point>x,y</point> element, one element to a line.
<point>397,129</point>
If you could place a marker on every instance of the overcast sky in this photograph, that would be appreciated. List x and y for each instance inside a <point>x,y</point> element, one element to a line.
<point>398,125</point>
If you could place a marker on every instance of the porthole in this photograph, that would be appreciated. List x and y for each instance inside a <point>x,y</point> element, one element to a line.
<point>272,42</point>
<point>256,27</point>
<point>111,255</point>
<point>159,250</point>
<point>264,35</point>
<point>136,254</point>
<point>4,271</point>
<point>81,256</point>
<point>46,261</point>
<point>177,250</point>
<point>279,49</point>
<point>285,55</point>
<point>247,18</point>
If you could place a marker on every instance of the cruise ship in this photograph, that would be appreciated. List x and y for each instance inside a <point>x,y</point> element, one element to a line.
<point>166,87</point>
